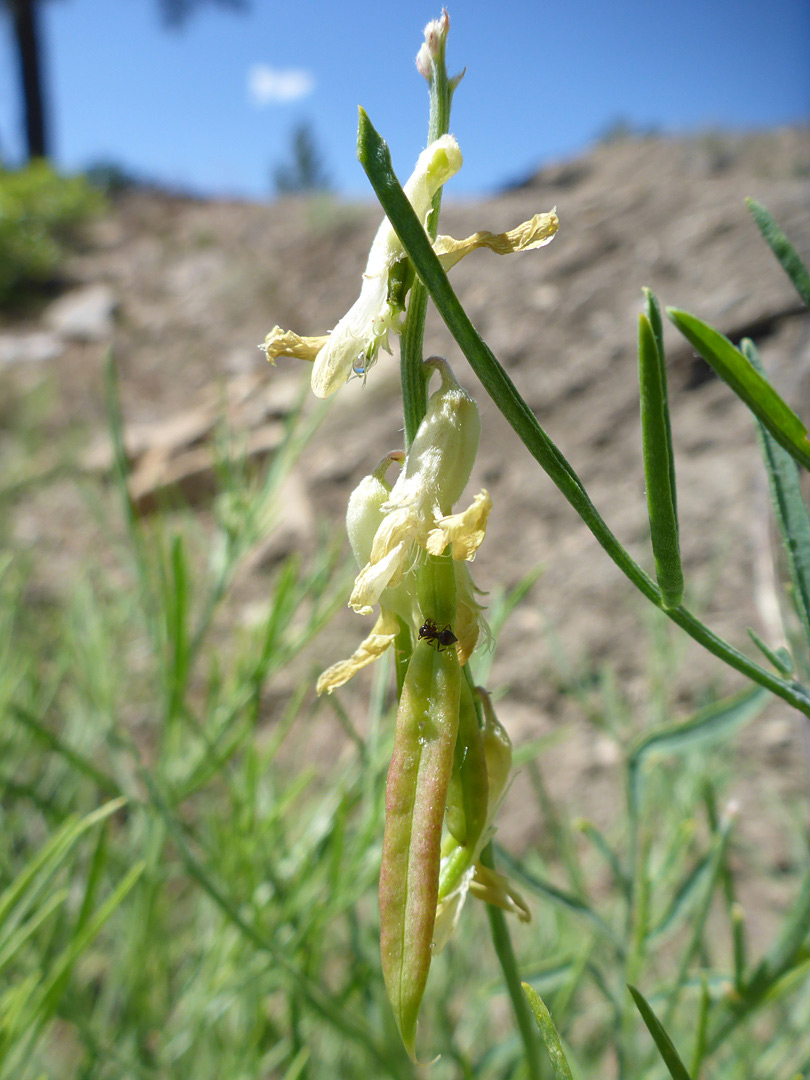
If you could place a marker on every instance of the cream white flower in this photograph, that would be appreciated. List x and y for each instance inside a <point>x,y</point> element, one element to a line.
<point>364,329</point>
<point>353,345</point>
<point>419,509</point>
<point>391,529</point>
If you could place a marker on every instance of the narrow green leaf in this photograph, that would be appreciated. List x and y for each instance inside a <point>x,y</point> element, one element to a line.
<point>12,943</point>
<point>782,249</point>
<point>57,978</point>
<point>709,725</point>
<point>790,510</point>
<point>738,941</point>
<point>666,1047</point>
<point>699,1051</point>
<point>687,893</point>
<point>177,603</point>
<point>787,947</point>
<point>782,962</point>
<point>656,439</point>
<point>50,856</point>
<point>780,658</point>
<point>559,1063</point>
<point>599,841</point>
<point>652,310</point>
<point>76,760</point>
<point>717,721</point>
<point>752,387</point>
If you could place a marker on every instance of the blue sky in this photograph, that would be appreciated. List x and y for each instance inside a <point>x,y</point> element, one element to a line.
<point>211,107</point>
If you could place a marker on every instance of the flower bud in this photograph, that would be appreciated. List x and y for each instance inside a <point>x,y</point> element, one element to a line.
<point>364,512</point>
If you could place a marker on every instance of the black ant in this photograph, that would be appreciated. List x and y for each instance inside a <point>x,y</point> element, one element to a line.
<point>431,633</point>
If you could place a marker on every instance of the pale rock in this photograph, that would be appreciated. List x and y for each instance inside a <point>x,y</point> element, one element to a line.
<point>84,314</point>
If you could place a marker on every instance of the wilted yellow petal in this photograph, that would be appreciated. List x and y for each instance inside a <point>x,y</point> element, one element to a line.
<point>464,531</point>
<point>466,628</point>
<point>287,343</point>
<point>532,234</point>
<point>381,637</point>
<point>377,576</point>
<point>494,888</point>
<point>448,911</point>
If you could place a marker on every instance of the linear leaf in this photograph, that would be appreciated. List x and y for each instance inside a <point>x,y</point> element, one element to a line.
<point>787,947</point>
<point>747,383</point>
<point>709,725</point>
<point>652,310</point>
<point>782,249</point>
<point>656,437</point>
<point>687,893</point>
<point>562,1070</point>
<point>717,721</point>
<point>790,510</point>
<point>49,857</point>
<point>666,1047</point>
<point>780,658</point>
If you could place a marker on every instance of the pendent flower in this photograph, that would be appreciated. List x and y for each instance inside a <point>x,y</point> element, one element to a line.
<point>393,529</point>
<point>364,329</point>
<point>353,345</point>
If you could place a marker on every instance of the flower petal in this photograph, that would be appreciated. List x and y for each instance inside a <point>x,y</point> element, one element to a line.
<point>378,576</point>
<point>448,911</point>
<point>535,233</point>
<point>464,531</point>
<point>382,635</point>
<point>287,343</point>
<point>365,327</point>
<point>495,889</point>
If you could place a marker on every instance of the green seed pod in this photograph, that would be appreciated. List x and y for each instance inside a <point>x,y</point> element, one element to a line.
<point>415,799</point>
<point>467,796</point>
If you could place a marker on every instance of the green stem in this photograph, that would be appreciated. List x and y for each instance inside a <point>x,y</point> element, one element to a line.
<point>506,958</point>
<point>376,161</point>
<point>412,374</point>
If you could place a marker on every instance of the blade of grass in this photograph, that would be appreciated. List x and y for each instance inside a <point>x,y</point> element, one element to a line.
<point>708,726</point>
<point>49,858</point>
<point>782,249</point>
<point>790,509</point>
<point>659,471</point>
<point>666,1047</point>
<point>780,658</point>
<point>548,1031</point>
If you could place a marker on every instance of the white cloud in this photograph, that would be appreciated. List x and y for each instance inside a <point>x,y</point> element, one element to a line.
<point>269,86</point>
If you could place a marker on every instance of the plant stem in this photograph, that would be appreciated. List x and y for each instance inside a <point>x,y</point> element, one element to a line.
<point>506,958</point>
<point>412,375</point>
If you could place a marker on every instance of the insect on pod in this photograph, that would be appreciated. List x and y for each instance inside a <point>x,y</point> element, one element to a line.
<point>430,632</point>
